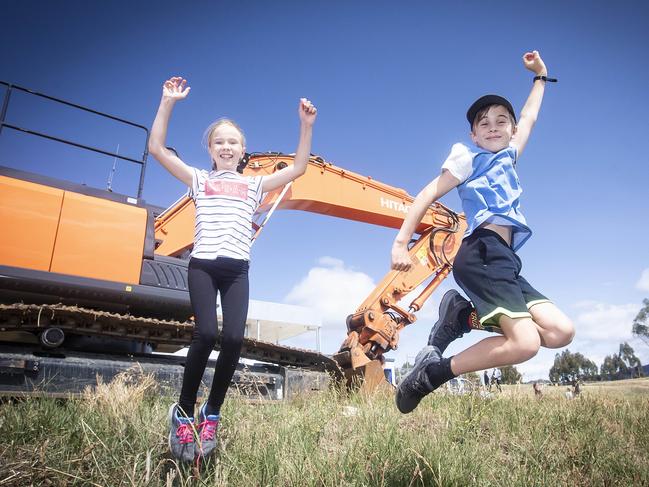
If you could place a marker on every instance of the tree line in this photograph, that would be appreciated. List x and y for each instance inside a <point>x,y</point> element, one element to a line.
<point>570,367</point>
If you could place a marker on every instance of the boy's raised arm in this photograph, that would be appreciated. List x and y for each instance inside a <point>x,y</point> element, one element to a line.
<point>529,113</point>
<point>437,188</point>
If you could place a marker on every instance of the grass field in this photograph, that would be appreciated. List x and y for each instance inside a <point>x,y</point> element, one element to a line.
<point>116,436</point>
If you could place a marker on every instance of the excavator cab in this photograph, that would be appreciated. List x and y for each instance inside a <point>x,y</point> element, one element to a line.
<point>68,244</point>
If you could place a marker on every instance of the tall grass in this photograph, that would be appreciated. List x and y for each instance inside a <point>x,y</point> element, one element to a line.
<point>117,436</point>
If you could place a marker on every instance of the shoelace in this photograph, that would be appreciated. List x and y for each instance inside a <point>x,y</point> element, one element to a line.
<point>207,429</point>
<point>185,434</point>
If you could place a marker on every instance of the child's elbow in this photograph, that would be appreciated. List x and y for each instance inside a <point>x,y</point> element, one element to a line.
<point>155,149</point>
<point>301,170</point>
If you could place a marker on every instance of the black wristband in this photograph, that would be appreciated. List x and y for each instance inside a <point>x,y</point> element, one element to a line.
<point>545,78</point>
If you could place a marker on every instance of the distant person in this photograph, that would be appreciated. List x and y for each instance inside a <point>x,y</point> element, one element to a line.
<point>496,378</point>
<point>538,393</point>
<point>225,202</point>
<point>576,388</point>
<point>568,394</point>
<point>487,384</point>
<point>486,266</point>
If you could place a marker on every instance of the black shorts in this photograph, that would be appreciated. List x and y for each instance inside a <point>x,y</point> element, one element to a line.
<point>488,271</point>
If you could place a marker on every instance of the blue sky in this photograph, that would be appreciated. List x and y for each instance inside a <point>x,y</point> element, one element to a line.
<point>392,82</point>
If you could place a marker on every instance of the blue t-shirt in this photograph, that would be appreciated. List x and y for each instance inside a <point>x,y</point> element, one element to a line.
<point>489,189</point>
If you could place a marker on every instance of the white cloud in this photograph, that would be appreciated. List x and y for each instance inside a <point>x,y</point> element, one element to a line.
<point>596,321</point>
<point>334,291</point>
<point>643,282</point>
<point>601,327</point>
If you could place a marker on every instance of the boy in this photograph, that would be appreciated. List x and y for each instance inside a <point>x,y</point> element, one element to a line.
<point>486,266</point>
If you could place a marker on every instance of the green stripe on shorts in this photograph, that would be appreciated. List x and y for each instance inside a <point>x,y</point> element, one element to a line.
<point>537,301</point>
<point>492,318</point>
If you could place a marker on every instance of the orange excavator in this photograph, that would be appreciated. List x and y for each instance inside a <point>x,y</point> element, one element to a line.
<point>88,268</point>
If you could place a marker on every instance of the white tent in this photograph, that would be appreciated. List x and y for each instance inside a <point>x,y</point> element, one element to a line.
<point>273,322</point>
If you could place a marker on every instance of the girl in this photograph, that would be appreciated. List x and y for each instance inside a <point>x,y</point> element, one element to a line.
<point>225,202</point>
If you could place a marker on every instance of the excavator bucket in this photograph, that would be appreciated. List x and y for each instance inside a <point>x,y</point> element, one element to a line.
<point>358,358</point>
<point>374,378</point>
<point>368,377</point>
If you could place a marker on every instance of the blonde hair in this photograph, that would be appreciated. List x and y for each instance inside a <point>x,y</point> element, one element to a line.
<point>209,131</point>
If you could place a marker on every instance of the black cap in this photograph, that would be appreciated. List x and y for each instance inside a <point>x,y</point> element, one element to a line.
<point>485,101</point>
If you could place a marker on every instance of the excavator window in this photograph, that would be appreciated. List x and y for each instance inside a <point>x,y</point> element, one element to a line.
<point>38,132</point>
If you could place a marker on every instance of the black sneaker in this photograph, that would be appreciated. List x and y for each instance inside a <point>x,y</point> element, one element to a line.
<point>207,427</point>
<point>181,434</point>
<point>414,386</point>
<point>448,326</point>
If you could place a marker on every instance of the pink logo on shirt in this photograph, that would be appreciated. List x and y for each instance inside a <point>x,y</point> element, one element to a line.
<point>234,189</point>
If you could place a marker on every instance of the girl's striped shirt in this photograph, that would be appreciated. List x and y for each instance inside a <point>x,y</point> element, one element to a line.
<point>225,202</point>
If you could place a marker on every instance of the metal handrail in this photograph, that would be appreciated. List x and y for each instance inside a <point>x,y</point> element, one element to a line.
<point>3,114</point>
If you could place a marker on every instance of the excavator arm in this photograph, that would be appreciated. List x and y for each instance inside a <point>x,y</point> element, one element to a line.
<point>373,329</point>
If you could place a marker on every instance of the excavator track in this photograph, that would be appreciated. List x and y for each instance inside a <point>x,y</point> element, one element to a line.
<point>83,321</point>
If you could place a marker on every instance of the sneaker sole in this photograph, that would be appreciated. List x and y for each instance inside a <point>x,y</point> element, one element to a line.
<point>443,309</point>
<point>169,418</point>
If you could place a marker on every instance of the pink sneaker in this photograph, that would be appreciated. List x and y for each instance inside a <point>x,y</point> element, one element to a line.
<point>181,435</point>
<point>207,426</point>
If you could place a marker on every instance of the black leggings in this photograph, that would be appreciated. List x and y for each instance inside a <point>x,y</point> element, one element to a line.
<point>230,278</point>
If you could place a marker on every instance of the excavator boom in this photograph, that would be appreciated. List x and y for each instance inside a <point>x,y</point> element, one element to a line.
<point>324,188</point>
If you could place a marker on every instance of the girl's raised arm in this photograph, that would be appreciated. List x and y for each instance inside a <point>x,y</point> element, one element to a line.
<point>172,90</point>
<point>307,113</point>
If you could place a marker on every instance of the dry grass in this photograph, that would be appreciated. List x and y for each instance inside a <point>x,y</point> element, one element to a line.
<point>116,436</point>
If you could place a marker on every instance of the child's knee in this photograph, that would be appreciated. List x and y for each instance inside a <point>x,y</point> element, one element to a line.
<point>232,341</point>
<point>559,334</point>
<point>556,328</point>
<point>566,332</point>
<point>206,337</point>
<point>529,347</point>
<point>527,343</point>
